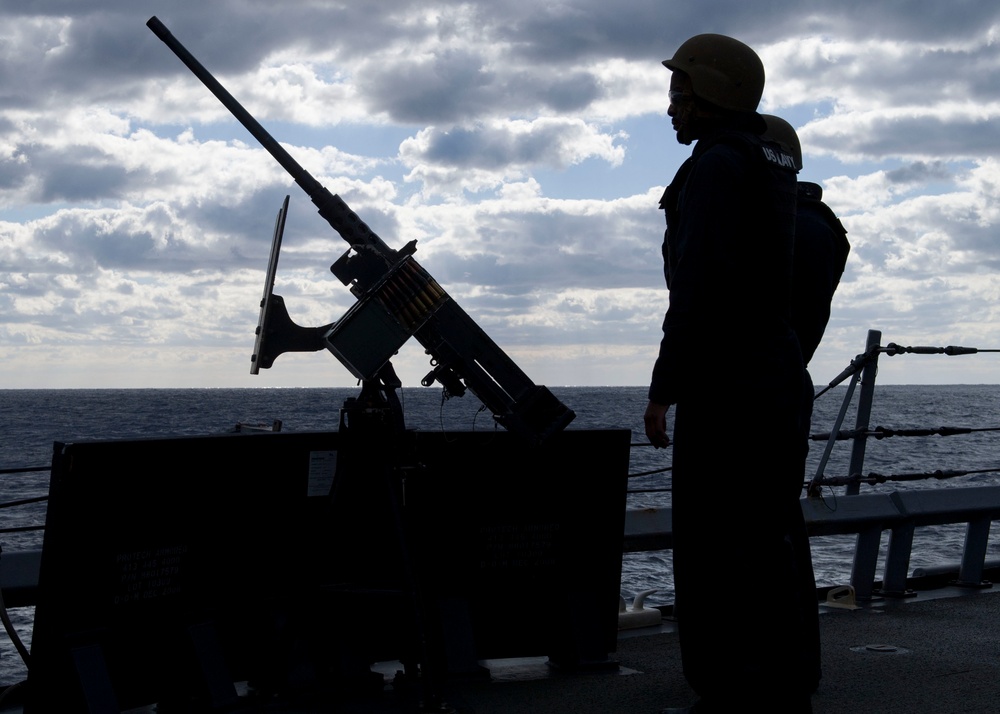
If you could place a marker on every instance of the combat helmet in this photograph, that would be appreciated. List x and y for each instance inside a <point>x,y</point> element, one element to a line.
<point>782,132</point>
<point>723,71</point>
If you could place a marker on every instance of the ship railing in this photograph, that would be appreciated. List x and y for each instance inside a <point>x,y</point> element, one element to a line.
<point>869,516</point>
<point>19,569</point>
<point>863,370</point>
<point>21,502</point>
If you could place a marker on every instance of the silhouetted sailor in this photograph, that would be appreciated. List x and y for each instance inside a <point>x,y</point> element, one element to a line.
<point>730,362</point>
<point>821,249</point>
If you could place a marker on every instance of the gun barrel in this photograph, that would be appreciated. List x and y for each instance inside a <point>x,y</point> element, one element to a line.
<point>331,207</point>
<point>302,177</point>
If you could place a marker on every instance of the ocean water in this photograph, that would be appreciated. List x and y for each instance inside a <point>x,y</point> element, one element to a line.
<point>37,418</point>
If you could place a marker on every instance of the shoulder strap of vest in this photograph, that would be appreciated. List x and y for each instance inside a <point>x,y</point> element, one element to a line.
<point>674,186</point>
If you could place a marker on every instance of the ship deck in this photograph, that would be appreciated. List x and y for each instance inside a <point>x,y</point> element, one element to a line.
<point>935,653</point>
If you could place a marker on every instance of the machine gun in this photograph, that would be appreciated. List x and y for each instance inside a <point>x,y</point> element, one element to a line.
<point>397,299</point>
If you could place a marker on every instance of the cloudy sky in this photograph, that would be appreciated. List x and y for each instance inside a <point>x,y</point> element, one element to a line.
<point>523,145</point>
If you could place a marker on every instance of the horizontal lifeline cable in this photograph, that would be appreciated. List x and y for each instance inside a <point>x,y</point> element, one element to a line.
<point>876,478</point>
<point>24,470</point>
<point>881,432</point>
<point>892,349</point>
<point>650,473</point>
<point>24,501</point>
<point>653,471</point>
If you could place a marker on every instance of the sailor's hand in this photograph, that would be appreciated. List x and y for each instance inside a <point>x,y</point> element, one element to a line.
<point>655,420</point>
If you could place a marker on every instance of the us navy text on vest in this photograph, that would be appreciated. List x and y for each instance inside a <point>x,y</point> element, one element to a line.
<point>780,158</point>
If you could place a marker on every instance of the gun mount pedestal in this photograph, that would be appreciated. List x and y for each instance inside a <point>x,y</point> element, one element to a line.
<point>489,548</point>
<point>371,595</point>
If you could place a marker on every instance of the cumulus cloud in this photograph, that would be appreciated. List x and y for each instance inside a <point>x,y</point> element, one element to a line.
<point>523,145</point>
<point>502,151</point>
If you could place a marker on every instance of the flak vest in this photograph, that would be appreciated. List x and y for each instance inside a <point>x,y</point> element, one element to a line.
<point>776,185</point>
<point>727,260</point>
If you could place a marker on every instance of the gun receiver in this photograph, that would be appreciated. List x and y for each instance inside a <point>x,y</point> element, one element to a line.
<point>397,299</point>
